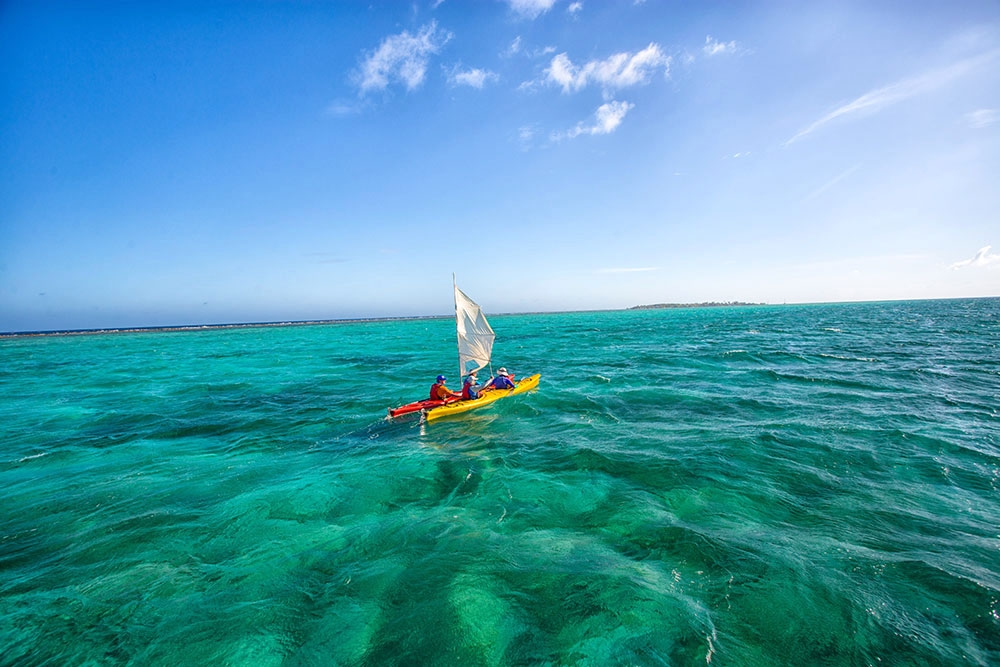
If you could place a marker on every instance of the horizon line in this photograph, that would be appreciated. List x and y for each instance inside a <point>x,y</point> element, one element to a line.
<point>404,318</point>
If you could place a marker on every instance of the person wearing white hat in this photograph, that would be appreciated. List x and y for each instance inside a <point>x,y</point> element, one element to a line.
<point>503,380</point>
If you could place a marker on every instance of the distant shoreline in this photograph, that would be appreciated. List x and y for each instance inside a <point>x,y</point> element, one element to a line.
<point>359,320</point>
<point>257,325</point>
<point>206,327</point>
<point>704,304</point>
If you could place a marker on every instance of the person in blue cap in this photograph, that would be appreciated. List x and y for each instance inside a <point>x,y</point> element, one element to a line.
<point>439,392</point>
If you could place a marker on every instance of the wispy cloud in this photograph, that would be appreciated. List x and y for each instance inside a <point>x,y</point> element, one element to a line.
<point>876,100</point>
<point>714,48</point>
<point>530,9</point>
<point>514,48</point>
<point>982,118</point>
<point>343,108</point>
<point>474,78</point>
<point>526,136</point>
<point>402,58</point>
<point>517,48</point>
<point>638,269</point>
<point>574,8</point>
<point>618,71</point>
<point>832,182</point>
<point>983,258</point>
<point>607,118</point>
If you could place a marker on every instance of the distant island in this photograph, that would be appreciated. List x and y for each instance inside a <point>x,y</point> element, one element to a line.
<point>705,304</point>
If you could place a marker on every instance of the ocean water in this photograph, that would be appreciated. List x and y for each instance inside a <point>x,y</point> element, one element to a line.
<point>783,485</point>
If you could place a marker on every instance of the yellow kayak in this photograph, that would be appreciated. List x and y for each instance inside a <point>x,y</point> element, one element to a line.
<point>485,398</point>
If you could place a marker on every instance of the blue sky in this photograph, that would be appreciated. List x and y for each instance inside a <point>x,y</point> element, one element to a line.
<point>173,163</point>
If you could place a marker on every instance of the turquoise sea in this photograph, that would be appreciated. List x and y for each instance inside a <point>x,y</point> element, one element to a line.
<point>774,485</point>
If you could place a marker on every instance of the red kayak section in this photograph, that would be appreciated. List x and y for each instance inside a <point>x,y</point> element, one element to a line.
<point>418,406</point>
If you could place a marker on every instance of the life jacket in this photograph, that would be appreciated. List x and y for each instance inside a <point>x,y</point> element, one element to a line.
<point>469,391</point>
<point>434,391</point>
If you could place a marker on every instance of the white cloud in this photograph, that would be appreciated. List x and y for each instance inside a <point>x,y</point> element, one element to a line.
<point>607,118</point>
<point>402,58</point>
<point>982,118</point>
<point>881,98</point>
<point>618,71</point>
<point>983,258</point>
<point>574,8</point>
<point>638,269</point>
<point>714,48</point>
<point>610,116</point>
<point>514,48</point>
<point>530,9</point>
<point>475,78</point>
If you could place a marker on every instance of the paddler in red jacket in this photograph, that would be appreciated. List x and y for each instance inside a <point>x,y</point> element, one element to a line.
<point>439,392</point>
<point>471,388</point>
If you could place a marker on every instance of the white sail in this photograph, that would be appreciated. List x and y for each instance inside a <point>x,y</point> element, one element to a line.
<point>475,336</point>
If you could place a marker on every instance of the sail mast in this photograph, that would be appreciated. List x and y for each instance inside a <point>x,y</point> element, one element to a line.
<point>458,333</point>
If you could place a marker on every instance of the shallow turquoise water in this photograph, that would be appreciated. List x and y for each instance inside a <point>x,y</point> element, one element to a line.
<point>727,486</point>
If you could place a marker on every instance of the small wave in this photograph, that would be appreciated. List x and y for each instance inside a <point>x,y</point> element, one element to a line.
<point>833,329</point>
<point>827,381</point>
<point>33,456</point>
<point>839,357</point>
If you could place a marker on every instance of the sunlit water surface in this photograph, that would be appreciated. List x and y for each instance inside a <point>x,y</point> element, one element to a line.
<point>728,486</point>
